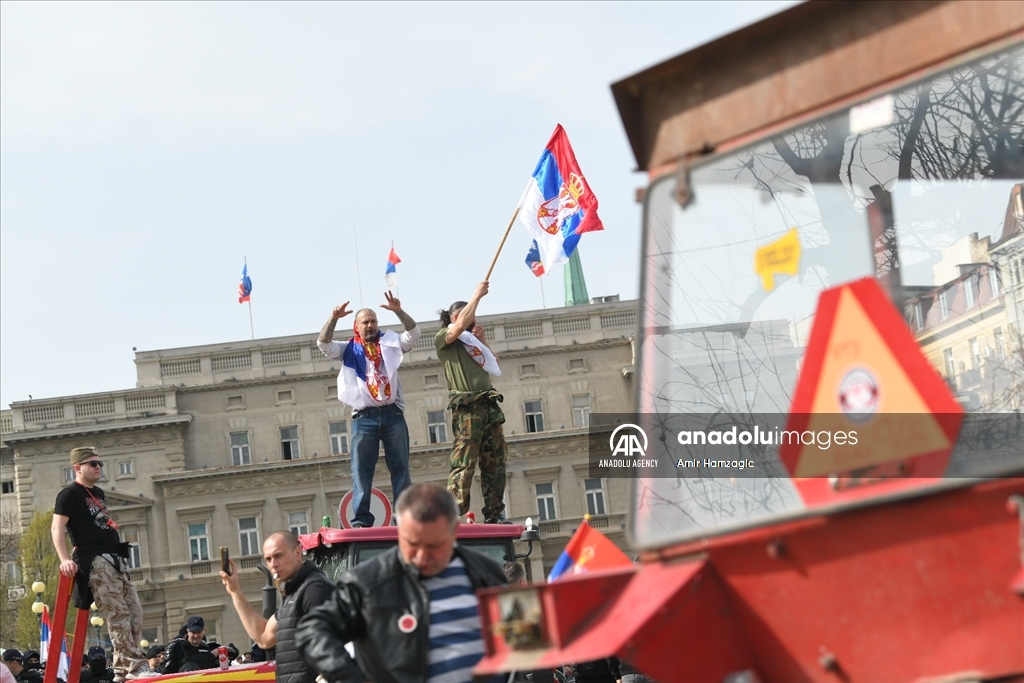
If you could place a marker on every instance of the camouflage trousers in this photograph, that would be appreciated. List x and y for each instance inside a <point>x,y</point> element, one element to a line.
<point>118,602</point>
<point>477,428</point>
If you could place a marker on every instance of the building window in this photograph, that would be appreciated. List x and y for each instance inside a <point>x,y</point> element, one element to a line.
<point>947,355</point>
<point>595,496</point>
<point>240,454</point>
<point>431,380</point>
<point>134,548</point>
<point>534,416</point>
<point>581,411</point>
<point>285,396</point>
<point>339,437</point>
<point>993,281</point>
<point>528,370</point>
<point>437,429</point>
<point>298,522</point>
<point>975,352</point>
<point>332,391</point>
<point>577,365</point>
<point>235,402</point>
<point>69,475</point>
<point>198,542</point>
<point>997,335</point>
<point>8,487</point>
<point>918,317</point>
<point>546,501</point>
<point>969,291</point>
<point>290,443</point>
<point>125,468</point>
<point>943,305</point>
<point>13,572</point>
<point>248,537</point>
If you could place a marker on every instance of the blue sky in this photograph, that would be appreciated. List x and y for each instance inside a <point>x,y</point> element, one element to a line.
<point>147,148</point>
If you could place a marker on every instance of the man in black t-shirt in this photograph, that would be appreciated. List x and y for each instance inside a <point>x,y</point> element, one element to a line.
<point>99,562</point>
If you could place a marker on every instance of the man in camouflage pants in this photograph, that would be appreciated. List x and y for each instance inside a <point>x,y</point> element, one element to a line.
<point>99,564</point>
<point>477,419</point>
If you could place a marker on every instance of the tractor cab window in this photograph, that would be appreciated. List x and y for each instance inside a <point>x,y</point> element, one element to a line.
<point>919,188</point>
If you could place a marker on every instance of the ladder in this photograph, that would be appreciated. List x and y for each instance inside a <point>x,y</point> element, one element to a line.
<point>60,613</point>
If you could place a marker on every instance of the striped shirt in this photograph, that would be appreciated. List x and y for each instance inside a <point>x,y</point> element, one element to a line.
<point>456,644</point>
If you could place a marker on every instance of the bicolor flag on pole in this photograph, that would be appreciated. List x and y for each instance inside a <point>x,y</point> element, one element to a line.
<point>45,633</point>
<point>587,551</point>
<point>245,286</point>
<point>390,274</point>
<point>558,205</point>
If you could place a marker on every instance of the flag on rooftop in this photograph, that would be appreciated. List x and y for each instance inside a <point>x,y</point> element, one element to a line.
<point>245,286</point>
<point>588,551</point>
<point>558,205</point>
<point>390,274</point>
<point>533,259</point>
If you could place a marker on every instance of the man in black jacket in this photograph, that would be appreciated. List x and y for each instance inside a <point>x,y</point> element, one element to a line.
<point>303,586</point>
<point>16,663</point>
<point>410,612</point>
<point>192,652</point>
<point>97,670</point>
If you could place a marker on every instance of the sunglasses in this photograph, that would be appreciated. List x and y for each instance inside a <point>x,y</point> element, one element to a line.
<point>94,463</point>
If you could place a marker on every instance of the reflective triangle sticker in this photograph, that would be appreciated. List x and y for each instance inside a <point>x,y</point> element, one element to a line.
<point>891,419</point>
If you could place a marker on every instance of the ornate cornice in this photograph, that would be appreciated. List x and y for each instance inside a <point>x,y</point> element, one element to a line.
<point>135,435</point>
<point>14,440</point>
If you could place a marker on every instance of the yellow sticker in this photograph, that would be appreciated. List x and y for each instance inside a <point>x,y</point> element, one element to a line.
<point>781,257</point>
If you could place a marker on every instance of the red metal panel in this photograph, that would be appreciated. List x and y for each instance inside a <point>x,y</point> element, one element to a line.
<point>907,590</point>
<point>651,617</point>
<point>328,536</point>
<point>912,589</point>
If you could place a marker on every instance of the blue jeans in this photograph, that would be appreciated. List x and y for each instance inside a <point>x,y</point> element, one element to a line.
<point>370,428</point>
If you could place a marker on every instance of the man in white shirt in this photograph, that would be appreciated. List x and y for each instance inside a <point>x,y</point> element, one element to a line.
<point>369,382</point>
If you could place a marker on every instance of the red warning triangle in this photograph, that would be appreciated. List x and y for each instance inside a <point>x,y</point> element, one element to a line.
<point>867,399</point>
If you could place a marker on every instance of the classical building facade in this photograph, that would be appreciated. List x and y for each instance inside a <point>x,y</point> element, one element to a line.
<point>221,445</point>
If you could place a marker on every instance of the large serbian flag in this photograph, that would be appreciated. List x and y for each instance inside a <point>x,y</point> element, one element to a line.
<point>558,206</point>
<point>588,551</point>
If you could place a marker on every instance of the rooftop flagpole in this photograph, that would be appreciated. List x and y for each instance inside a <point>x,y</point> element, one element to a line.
<point>359,277</point>
<point>252,332</point>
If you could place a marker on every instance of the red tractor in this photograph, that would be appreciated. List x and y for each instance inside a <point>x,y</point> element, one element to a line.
<point>827,452</point>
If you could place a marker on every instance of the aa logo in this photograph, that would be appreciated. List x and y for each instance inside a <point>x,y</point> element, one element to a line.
<point>627,443</point>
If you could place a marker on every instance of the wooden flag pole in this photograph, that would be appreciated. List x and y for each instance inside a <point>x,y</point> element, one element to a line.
<point>504,237</point>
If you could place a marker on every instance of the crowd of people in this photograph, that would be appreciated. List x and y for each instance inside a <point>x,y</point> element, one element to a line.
<point>409,614</point>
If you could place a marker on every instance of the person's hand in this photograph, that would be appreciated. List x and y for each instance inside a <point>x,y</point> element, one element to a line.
<point>482,289</point>
<point>393,304</point>
<point>230,581</point>
<point>68,568</point>
<point>340,311</point>
<point>478,332</point>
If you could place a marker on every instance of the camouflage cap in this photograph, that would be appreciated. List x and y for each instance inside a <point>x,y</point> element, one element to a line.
<point>81,453</point>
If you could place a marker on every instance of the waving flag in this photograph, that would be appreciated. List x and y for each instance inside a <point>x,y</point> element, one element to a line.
<point>245,286</point>
<point>558,206</point>
<point>588,550</point>
<point>44,646</point>
<point>390,275</point>
<point>533,259</point>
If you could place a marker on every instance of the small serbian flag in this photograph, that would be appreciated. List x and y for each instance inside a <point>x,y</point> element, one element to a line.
<point>588,551</point>
<point>558,205</point>
<point>533,260</point>
<point>390,275</point>
<point>245,286</point>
